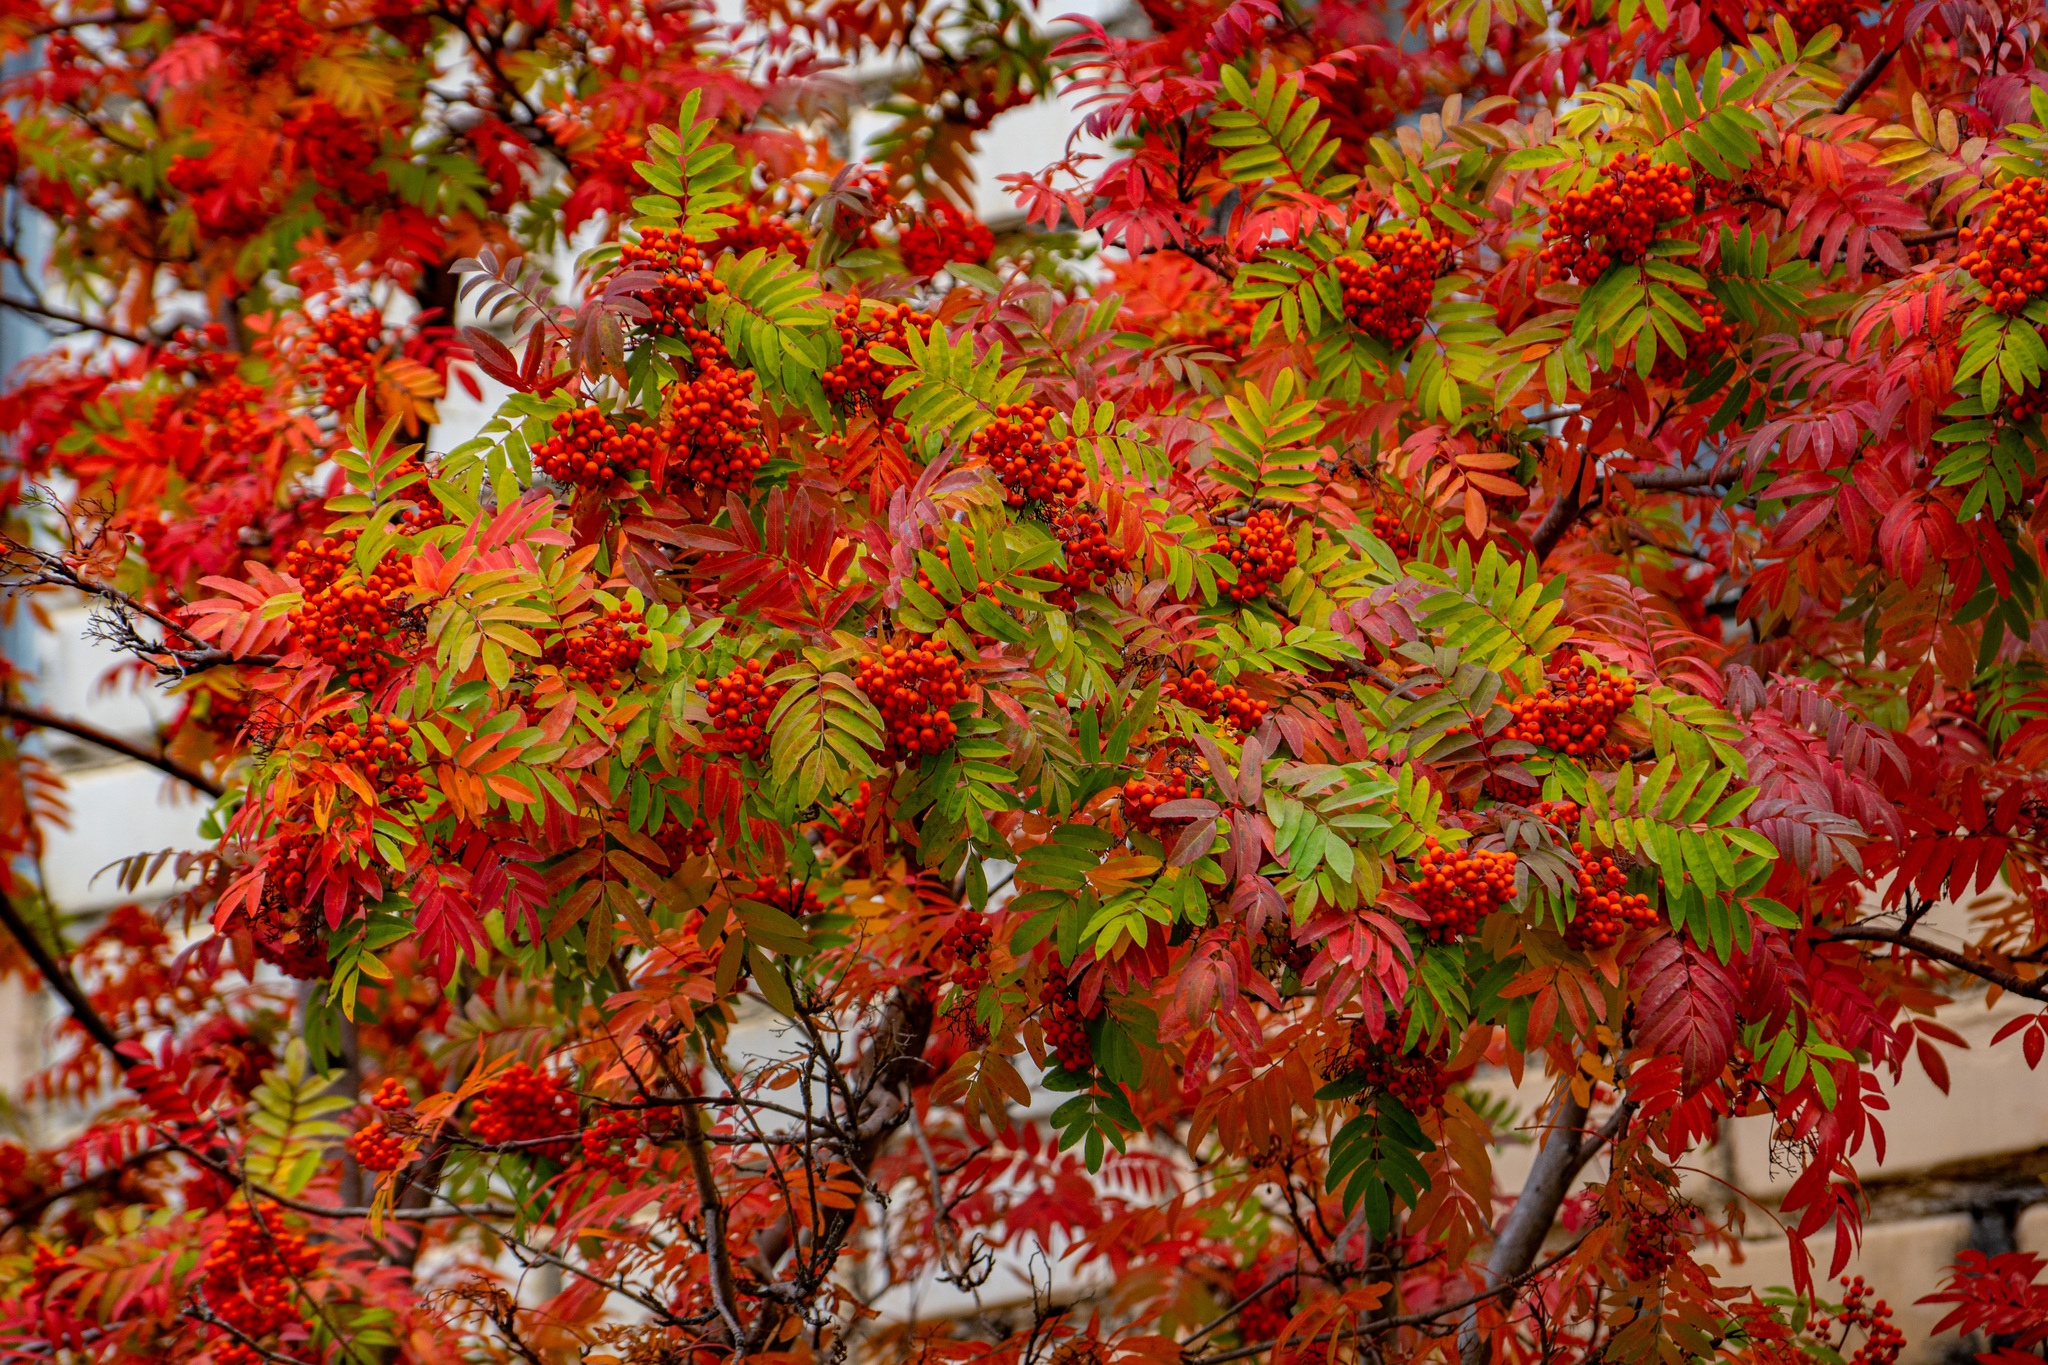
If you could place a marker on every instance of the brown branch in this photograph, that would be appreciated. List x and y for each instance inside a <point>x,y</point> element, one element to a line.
<point>1899,938</point>
<point>92,734</point>
<point>1867,78</point>
<point>72,320</point>
<point>1929,238</point>
<point>1663,479</point>
<point>1558,519</point>
<point>62,982</point>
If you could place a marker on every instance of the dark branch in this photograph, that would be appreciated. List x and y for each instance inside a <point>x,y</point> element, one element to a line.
<point>1864,80</point>
<point>92,734</point>
<point>1962,962</point>
<point>72,320</point>
<point>62,982</point>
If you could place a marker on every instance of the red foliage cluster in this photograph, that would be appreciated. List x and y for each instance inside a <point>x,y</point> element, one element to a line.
<point>1458,887</point>
<point>1092,558</point>
<point>685,279</point>
<point>344,620</point>
<point>1032,466</point>
<point>342,345</point>
<point>1226,702</point>
<point>1574,713</point>
<point>942,236</point>
<point>519,1104</point>
<point>858,380</point>
<point>1065,1023</point>
<point>914,688</point>
<point>377,1148</point>
<point>1412,1076</point>
<point>590,450</point>
<point>1606,911</point>
<point>250,1273</point>
<point>1388,297</point>
<point>609,1145</point>
<point>1263,551</point>
<point>598,651</point>
<point>741,702</point>
<point>1614,221</point>
<point>379,743</point>
<point>1809,17</point>
<point>1265,1317</point>
<point>712,423</point>
<point>2006,252</point>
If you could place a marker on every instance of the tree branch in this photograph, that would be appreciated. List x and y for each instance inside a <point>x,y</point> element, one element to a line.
<point>62,982</point>
<point>72,320</point>
<point>92,734</point>
<point>1912,943</point>
<point>1865,79</point>
<point>1559,518</point>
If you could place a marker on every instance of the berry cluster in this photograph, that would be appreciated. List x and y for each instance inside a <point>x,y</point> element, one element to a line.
<point>1648,1249</point>
<point>1412,1076</point>
<point>342,344</point>
<point>686,281</point>
<point>379,743</point>
<point>338,152</point>
<point>609,1144</point>
<point>1265,1317</point>
<point>1389,296</point>
<point>1214,702</point>
<point>968,942</point>
<point>1032,466</point>
<point>740,704</point>
<point>343,620</point>
<point>286,931</point>
<point>1399,539</point>
<point>942,236</point>
<point>1066,1026</point>
<point>1562,815</point>
<point>250,1273</point>
<point>795,899</point>
<point>589,450</point>
<point>712,425</point>
<point>1263,551</point>
<point>757,230</point>
<point>1702,348</point>
<point>914,688</point>
<point>858,380</point>
<point>1809,17</point>
<point>598,651</point>
<point>391,1096</point>
<point>680,841</point>
<point>1092,558</point>
<point>377,1148</point>
<point>520,1103</point>
<point>1233,334</point>
<point>1458,887</point>
<point>849,822</point>
<point>1861,1307</point>
<point>2007,251</point>
<point>1574,714</point>
<point>1143,795</point>
<point>1614,222</point>
<point>1606,910</point>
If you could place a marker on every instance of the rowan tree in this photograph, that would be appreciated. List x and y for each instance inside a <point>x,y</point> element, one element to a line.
<point>1459,535</point>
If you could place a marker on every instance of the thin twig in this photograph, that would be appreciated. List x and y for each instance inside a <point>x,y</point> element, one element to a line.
<point>1867,78</point>
<point>72,320</point>
<point>1899,938</point>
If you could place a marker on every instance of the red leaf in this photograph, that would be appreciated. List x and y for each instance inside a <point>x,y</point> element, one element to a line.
<point>1686,1008</point>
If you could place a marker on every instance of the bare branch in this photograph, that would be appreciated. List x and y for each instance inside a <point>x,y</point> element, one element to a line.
<point>92,734</point>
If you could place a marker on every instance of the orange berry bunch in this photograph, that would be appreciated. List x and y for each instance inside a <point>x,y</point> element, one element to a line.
<point>914,688</point>
<point>391,1096</point>
<point>741,703</point>
<point>1614,221</point>
<point>344,621</point>
<point>1647,1250</point>
<point>1032,466</point>
<point>712,423</point>
<point>1263,551</point>
<point>1267,1316</point>
<point>597,651</point>
<point>589,450</point>
<point>685,279</point>
<point>1562,814</point>
<point>680,841</point>
<point>1092,557</point>
<point>942,236</point>
<point>2007,250</point>
<point>793,899</point>
<point>1388,297</point>
<point>287,932</point>
<point>1458,887</point>
<point>250,1273</point>
<point>1066,1026</point>
<point>1388,527</point>
<point>1606,910</point>
<point>379,744</point>
<point>609,1144</point>
<point>343,343</point>
<point>377,1148</point>
<point>758,230</point>
<point>1145,794</point>
<point>1574,714</point>
<point>968,942</point>
<point>850,822</point>
<point>1861,1307</point>
<point>1413,1076</point>
<point>1702,348</point>
<point>1225,702</point>
<point>858,380</point>
<point>520,1103</point>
